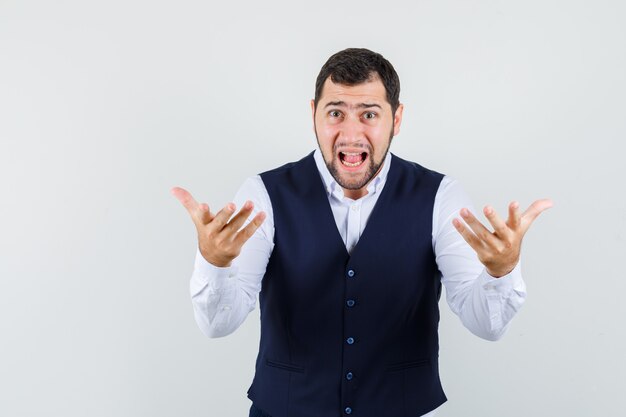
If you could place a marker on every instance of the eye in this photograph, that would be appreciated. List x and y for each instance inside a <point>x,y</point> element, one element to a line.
<point>369,115</point>
<point>334,113</point>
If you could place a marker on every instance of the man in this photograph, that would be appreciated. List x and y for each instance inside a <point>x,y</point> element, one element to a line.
<point>347,249</point>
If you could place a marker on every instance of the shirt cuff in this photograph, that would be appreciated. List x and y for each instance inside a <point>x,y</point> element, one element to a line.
<point>511,281</point>
<point>208,273</point>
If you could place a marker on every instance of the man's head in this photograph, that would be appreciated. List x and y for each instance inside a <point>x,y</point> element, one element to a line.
<point>356,113</point>
<point>354,66</point>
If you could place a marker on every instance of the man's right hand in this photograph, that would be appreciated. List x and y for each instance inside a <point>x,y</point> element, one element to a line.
<point>219,240</point>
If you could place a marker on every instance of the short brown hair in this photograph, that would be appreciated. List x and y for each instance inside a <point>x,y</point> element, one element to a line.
<point>354,66</point>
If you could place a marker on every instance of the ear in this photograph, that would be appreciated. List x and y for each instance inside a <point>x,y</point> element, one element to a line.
<point>397,119</point>
<point>313,113</point>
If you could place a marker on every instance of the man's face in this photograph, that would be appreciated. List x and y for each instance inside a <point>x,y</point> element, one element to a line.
<point>354,127</point>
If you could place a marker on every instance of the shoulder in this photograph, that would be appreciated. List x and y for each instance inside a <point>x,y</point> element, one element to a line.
<point>252,186</point>
<point>406,167</point>
<point>451,197</point>
<point>450,185</point>
<point>289,166</point>
<point>299,177</point>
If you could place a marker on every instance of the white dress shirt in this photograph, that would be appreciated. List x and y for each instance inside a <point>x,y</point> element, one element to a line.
<point>223,297</point>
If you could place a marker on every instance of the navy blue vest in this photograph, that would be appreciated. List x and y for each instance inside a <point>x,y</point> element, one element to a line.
<point>349,334</point>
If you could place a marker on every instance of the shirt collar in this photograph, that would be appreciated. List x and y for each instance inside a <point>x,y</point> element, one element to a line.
<point>333,188</point>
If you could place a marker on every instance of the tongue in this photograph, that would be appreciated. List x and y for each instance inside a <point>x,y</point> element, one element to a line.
<point>353,159</point>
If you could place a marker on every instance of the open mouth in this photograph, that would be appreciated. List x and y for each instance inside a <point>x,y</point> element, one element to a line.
<point>352,159</point>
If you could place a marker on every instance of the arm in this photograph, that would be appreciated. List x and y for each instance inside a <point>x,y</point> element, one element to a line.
<point>484,304</point>
<point>224,291</point>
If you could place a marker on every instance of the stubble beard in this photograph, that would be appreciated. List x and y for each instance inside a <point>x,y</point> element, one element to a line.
<point>357,183</point>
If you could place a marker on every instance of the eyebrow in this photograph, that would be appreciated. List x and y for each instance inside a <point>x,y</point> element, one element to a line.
<point>358,106</point>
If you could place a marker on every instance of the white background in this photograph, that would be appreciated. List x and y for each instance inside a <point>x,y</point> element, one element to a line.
<point>105,105</point>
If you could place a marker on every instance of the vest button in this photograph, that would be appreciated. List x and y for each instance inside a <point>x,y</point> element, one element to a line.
<point>350,303</point>
<point>348,410</point>
<point>349,376</point>
<point>350,340</point>
<point>350,273</point>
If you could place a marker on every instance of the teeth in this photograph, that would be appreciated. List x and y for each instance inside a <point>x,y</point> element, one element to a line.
<point>356,164</point>
<point>351,155</point>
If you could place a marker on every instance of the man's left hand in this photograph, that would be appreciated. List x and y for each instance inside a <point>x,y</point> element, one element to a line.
<point>499,250</point>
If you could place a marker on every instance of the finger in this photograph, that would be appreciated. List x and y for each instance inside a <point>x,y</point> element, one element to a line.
<point>247,232</point>
<point>535,210</point>
<point>514,215</point>
<point>185,198</point>
<point>239,219</point>
<point>469,237</point>
<point>204,214</point>
<point>221,218</point>
<point>198,212</point>
<point>479,230</point>
<point>499,226</point>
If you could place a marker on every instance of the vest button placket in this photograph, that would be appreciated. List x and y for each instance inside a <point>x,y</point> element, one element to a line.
<point>351,352</point>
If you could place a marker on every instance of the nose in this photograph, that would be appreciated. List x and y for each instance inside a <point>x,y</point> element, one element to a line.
<point>352,130</point>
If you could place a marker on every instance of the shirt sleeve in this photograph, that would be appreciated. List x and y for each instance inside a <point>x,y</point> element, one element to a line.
<point>222,297</point>
<point>484,304</point>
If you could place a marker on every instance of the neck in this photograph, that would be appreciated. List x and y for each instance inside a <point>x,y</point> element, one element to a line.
<point>355,194</point>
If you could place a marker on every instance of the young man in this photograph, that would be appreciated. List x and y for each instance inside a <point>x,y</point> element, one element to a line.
<point>347,249</point>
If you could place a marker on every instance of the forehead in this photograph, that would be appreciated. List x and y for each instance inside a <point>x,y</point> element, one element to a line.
<point>372,91</point>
